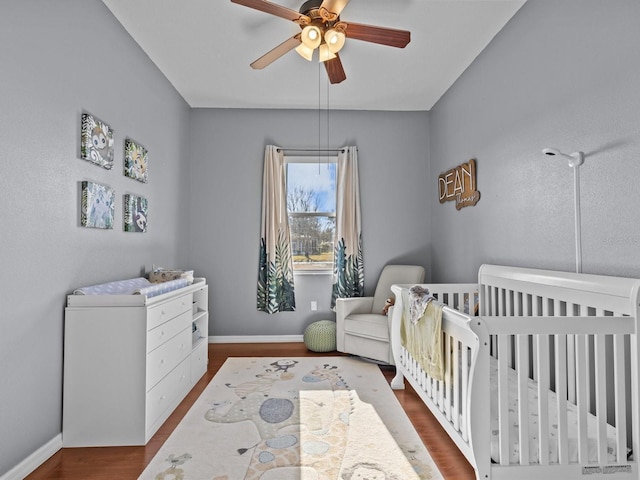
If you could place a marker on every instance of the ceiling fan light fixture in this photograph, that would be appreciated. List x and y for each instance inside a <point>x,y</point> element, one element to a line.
<point>326,53</point>
<point>321,26</point>
<point>334,39</point>
<point>311,36</point>
<point>305,52</point>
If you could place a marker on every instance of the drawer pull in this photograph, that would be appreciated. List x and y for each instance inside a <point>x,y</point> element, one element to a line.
<point>162,361</point>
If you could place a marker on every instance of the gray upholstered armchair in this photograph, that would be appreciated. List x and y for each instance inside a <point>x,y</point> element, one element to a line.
<point>361,326</point>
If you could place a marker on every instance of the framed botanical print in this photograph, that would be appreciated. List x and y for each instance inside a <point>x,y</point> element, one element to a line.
<point>135,161</point>
<point>96,141</point>
<point>97,205</point>
<point>135,213</point>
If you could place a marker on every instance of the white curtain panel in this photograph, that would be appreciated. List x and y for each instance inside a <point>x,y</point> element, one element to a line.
<point>275,275</point>
<point>348,268</point>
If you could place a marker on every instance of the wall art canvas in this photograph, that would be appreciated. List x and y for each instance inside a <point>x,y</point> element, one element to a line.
<point>97,207</point>
<point>135,213</point>
<point>96,141</point>
<point>135,161</point>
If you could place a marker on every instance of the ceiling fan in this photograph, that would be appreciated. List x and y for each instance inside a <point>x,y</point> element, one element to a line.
<point>323,29</point>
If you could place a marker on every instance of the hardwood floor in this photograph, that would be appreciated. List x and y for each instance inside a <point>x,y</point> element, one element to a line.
<point>124,463</point>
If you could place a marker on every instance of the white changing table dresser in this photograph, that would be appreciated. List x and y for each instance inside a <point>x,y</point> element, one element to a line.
<point>129,361</point>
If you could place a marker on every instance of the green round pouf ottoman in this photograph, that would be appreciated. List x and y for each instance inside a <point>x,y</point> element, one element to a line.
<point>320,336</point>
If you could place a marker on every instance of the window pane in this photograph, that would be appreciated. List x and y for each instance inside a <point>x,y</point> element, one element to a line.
<point>311,187</point>
<point>311,202</point>
<point>312,242</point>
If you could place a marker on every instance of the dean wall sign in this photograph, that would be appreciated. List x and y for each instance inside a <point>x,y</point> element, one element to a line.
<point>459,184</point>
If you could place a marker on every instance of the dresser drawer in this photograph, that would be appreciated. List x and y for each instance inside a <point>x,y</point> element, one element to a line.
<point>164,358</point>
<point>167,330</point>
<point>164,312</point>
<point>162,396</point>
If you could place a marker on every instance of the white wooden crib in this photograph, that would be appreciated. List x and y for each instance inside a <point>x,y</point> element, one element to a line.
<point>543,383</point>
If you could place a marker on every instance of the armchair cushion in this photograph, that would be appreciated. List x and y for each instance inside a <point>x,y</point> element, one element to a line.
<point>372,325</point>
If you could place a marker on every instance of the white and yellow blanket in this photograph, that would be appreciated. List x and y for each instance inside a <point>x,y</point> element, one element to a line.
<point>421,331</point>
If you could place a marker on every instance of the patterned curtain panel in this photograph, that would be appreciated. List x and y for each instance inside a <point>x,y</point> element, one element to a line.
<point>275,276</point>
<point>348,268</point>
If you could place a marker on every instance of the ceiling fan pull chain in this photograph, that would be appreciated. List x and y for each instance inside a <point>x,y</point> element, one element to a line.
<point>319,116</point>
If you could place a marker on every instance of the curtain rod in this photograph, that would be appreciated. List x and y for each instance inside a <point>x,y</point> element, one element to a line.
<point>312,150</point>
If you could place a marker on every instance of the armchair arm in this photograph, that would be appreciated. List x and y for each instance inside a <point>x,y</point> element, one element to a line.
<point>344,308</point>
<point>347,306</point>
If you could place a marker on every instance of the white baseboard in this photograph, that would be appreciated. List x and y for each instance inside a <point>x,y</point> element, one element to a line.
<point>254,339</point>
<point>34,460</point>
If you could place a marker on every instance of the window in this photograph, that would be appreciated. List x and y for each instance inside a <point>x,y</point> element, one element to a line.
<point>311,204</point>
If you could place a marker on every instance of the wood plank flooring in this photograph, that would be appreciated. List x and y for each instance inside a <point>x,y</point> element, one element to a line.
<point>124,463</point>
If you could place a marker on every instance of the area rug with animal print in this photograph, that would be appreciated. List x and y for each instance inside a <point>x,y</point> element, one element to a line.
<point>306,418</point>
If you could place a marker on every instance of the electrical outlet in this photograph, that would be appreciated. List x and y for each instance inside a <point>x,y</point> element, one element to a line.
<point>314,306</point>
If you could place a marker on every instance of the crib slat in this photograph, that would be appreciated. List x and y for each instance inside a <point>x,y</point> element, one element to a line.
<point>523,397</point>
<point>485,299</point>
<point>495,297</point>
<point>507,312</point>
<point>571,367</point>
<point>456,384</point>
<point>465,391</point>
<point>582,403</point>
<point>601,396</point>
<point>427,385</point>
<point>561,398</point>
<point>619,374</point>
<point>503,401</point>
<point>447,375</point>
<point>543,398</point>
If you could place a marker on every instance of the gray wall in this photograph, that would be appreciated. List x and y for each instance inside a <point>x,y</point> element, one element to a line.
<point>562,74</point>
<point>58,59</point>
<point>227,154</point>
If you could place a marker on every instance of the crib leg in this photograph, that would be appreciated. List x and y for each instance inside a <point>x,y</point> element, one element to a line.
<point>397,383</point>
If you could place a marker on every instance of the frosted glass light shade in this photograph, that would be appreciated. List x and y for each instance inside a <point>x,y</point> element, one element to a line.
<point>326,53</point>
<point>334,39</point>
<point>305,52</point>
<point>311,36</point>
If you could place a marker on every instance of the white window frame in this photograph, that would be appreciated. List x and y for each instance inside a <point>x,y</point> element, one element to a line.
<point>312,159</point>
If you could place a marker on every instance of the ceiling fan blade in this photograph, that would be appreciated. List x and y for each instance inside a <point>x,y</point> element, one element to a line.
<point>335,70</point>
<point>275,53</point>
<point>334,7</point>
<point>374,34</point>
<point>274,9</point>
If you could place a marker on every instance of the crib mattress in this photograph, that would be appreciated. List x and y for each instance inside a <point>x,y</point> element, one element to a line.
<point>572,421</point>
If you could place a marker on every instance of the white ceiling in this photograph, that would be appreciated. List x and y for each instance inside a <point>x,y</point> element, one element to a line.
<point>204,48</point>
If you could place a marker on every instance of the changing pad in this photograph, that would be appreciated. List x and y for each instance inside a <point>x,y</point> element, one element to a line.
<point>132,286</point>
